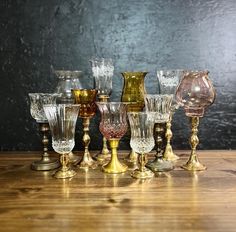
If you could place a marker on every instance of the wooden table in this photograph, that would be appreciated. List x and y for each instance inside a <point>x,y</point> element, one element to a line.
<point>94,201</point>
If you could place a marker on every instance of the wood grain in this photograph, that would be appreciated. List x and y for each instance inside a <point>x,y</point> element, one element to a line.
<point>94,201</point>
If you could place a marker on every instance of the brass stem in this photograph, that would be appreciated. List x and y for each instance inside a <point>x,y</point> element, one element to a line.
<point>194,141</point>
<point>64,160</point>
<point>159,130</point>
<point>86,137</point>
<point>114,145</point>
<point>44,129</point>
<point>193,163</point>
<point>142,161</point>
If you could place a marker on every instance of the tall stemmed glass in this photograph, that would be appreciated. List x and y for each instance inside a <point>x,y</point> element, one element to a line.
<point>36,109</point>
<point>168,82</point>
<point>160,104</point>
<point>62,120</point>
<point>113,126</point>
<point>142,140</point>
<point>195,93</point>
<point>86,98</point>
<point>103,70</point>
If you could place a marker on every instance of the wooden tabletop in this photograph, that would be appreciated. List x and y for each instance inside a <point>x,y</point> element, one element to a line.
<point>93,201</point>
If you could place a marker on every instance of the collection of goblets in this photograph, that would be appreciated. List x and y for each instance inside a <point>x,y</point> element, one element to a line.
<point>148,116</point>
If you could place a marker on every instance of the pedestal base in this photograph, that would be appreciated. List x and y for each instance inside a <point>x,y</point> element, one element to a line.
<point>103,158</point>
<point>145,174</point>
<point>114,168</point>
<point>63,174</point>
<point>194,166</point>
<point>160,165</point>
<point>45,165</point>
<point>88,164</point>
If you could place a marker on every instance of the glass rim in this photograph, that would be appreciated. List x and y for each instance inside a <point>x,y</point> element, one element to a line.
<point>61,104</point>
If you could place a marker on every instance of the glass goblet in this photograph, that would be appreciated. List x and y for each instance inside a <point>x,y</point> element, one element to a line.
<point>62,120</point>
<point>86,99</point>
<point>142,140</point>
<point>103,70</point>
<point>195,93</point>
<point>160,104</point>
<point>168,83</point>
<point>113,126</point>
<point>36,109</point>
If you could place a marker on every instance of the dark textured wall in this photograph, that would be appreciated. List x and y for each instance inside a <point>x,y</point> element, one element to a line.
<point>137,35</point>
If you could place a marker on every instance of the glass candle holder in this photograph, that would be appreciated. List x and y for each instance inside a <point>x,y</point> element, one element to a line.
<point>86,99</point>
<point>36,109</point>
<point>160,104</point>
<point>168,83</point>
<point>62,120</point>
<point>113,126</point>
<point>103,70</point>
<point>142,140</point>
<point>194,94</point>
<point>133,93</point>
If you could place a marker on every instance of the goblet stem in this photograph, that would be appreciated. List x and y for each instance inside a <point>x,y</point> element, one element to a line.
<point>159,164</point>
<point>169,154</point>
<point>104,154</point>
<point>142,172</point>
<point>193,164</point>
<point>46,163</point>
<point>114,166</point>
<point>65,171</point>
<point>87,160</point>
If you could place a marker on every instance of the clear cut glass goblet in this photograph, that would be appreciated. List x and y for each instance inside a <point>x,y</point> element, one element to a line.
<point>62,121</point>
<point>142,140</point>
<point>160,104</point>
<point>195,93</point>
<point>36,109</point>
<point>103,70</point>
<point>113,126</point>
<point>168,83</point>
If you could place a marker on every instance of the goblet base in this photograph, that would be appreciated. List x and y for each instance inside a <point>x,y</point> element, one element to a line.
<point>63,174</point>
<point>194,165</point>
<point>160,165</point>
<point>145,174</point>
<point>74,159</point>
<point>114,168</point>
<point>103,157</point>
<point>170,156</point>
<point>86,164</point>
<point>132,160</point>
<point>45,164</point>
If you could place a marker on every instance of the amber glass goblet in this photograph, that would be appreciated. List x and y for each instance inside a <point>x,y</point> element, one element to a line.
<point>86,99</point>
<point>62,120</point>
<point>168,82</point>
<point>160,104</point>
<point>113,126</point>
<point>194,94</point>
<point>133,93</point>
<point>103,72</point>
<point>37,100</point>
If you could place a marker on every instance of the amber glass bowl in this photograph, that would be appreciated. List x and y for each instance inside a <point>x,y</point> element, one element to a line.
<point>86,98</point>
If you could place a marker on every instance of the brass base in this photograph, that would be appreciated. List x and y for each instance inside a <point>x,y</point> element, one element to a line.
<point>194,165</point>
<point>160,165</point>
<point>74,159</point>
<point>169,154</point>
<point>132,160</point>
<point>103,158</point>
<point>114,166</point>
<point>45,164</point>
<point>145,174</point>
<point>87,163</point>
<point>63,174</point>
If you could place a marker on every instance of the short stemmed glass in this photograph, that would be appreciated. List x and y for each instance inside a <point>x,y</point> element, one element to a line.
<point>86,99</point>
<point>62,120</point>
<point>142,140</point>
<point>113,126</point>
<point>160,104</point>
<point>36,109</point>
<point>195,93</point>
<point>168,82</point>
<point>103,70</point>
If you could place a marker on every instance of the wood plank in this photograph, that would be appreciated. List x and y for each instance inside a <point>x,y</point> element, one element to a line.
<point>93,201</point>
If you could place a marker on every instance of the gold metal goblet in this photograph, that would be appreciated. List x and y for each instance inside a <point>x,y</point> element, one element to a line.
<point>86,98</point>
